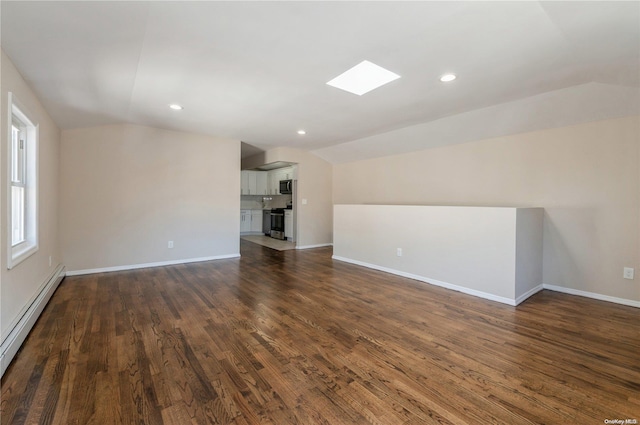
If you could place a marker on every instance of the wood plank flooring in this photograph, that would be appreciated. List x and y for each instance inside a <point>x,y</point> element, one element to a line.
<point>293,337</point>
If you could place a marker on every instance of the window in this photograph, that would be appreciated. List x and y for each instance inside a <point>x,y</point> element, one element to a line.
<point>18,186</point>
<point>22,193</point>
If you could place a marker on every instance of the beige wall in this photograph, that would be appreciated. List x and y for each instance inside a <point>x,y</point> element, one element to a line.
<point>314,184</point>
<point>127,190</point>
<point>586,177</point>
<point>20,285</point>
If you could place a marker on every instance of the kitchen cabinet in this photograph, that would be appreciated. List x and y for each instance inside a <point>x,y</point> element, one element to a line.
<point>287,173</point>
<point>256,221</point>
<point>288,224</point>
<point>261,183</point>
<point>247,182</point>
<point>273,183</point>
<point>274,177</point>
<point>250,221</point>
<point>253,182</point>
<point>245,221</point>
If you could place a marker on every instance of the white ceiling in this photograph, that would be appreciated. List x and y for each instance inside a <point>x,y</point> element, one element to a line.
<point>256,71</point>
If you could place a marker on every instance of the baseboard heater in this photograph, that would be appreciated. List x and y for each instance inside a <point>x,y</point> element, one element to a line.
<point>22,326</point>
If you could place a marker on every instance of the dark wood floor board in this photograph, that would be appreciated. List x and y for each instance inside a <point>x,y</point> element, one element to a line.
<point>334,413</point>
<point>176,414</point>
<point>107,409</point>
<point>363,372</point>
<point>293,337</point>
<point>616,377</point>
<point>426,371</point>
<point>515,375</point>
<point>363,406</point>
<point>410,381</point>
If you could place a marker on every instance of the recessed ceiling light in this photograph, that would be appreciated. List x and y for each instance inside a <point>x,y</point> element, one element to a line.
<point>448,77</point>
<point>363,78</point>
<point>302,132</point>
<point>175,107</point>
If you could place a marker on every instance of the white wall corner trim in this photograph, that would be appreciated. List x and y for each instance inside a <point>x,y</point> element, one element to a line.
<point>623,301</point>
<point>529,293</point>
<point>20,329</point>
<point>435,282</point>
<point>320,245</point>
<point>148,265</point>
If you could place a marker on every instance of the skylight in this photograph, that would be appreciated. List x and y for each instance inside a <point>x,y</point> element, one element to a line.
<point>363,78</point>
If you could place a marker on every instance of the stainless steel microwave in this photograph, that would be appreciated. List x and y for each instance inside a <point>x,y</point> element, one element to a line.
<point>286,187</point>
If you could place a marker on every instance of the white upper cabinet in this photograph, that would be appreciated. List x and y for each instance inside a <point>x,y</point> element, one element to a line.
<point>247,182</point>
<point>287,174</point>
<point>273,181</point>
<point>253,182</point>
<point>261,183</point>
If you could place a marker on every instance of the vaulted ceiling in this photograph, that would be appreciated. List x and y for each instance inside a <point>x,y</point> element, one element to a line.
<point>256,71</point>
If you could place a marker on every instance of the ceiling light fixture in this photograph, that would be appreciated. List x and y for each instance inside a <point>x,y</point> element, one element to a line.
<point>302,132</point>
<point>363,78</point>
<point>175,107</point>
<point>448,77</point>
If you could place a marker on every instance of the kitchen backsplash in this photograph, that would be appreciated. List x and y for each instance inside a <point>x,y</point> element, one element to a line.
<point>251,202</point>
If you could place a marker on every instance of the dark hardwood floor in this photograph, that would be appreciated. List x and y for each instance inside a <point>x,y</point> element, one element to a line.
<point>293,337</point>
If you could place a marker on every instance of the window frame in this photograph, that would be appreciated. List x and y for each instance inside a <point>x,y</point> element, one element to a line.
<point>18,116</point>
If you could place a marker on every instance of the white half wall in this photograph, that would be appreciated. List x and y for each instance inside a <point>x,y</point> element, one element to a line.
<point>529,260</point>
<point>495,253</point>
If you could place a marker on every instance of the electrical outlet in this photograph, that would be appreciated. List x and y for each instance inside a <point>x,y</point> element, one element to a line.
<point>399,252</point>
<point>627,273</point>
<point>170,244</point>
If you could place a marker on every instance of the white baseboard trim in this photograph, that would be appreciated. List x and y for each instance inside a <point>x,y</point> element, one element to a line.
<point>320,245</point>
<point>488,296</point>
<point>147,265</point>
<point>593,295</point>
<point>435,282</point>
<point>27,318</point>
<point>529,293</point>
